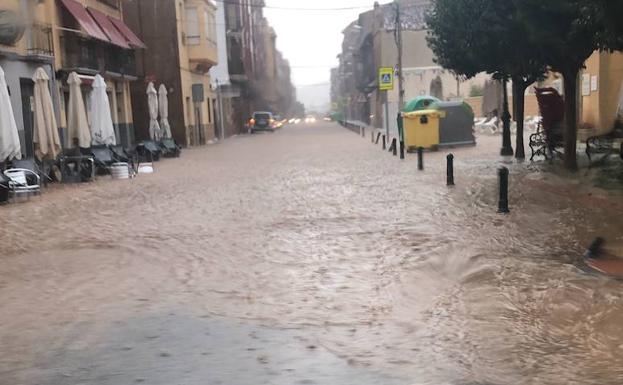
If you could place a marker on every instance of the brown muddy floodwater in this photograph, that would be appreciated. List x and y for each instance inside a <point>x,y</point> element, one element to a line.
<point>309,256</point>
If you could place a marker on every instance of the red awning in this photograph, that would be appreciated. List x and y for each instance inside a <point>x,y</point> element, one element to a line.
<point>109,29</point>
<point>85,20</point>
<point>129,35</point>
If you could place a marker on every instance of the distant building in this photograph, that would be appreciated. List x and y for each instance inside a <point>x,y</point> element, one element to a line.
<point>369,43</point>
<point>182,40</point>
<point>259,75</point>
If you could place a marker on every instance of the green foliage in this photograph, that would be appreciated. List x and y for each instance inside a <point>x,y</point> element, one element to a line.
<point>472,36</point>
<point>476,90</point>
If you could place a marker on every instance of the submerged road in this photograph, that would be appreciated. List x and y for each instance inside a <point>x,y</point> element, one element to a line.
<point>307,256</point>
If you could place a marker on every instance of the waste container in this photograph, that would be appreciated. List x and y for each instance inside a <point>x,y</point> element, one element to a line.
<point>457,127</point>
<point>421,129</point>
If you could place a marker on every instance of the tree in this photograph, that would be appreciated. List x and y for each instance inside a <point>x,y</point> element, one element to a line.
<point>565,33</point>
<point>473,36</point>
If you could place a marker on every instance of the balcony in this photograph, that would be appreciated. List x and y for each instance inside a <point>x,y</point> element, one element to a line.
<point>202,53</point>
<point>90,56</point>
<point>121,61</point>
<point>79,54</point>
<point>39,40</point>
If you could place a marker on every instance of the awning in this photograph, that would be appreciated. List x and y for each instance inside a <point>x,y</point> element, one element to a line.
<point>129,35</point>
<point>85,20</point>
<point>109,29</point>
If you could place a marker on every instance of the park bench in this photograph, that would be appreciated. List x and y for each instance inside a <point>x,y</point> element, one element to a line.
<point>606,145</point>
<point>548,139</point>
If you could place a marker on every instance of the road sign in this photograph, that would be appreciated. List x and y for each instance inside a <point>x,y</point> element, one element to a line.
<point>386,78</point>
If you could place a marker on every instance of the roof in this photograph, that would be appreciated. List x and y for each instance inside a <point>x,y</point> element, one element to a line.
<point>412,15</point>
<point>109,29</point>
<point>88,24</point>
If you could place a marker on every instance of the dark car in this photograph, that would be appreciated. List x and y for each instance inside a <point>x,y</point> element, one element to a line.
<point>261,121</point>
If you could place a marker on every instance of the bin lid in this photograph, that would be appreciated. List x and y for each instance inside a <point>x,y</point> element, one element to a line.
<point>456,105</point>
<point>420,103</point>
<point>417,114</point>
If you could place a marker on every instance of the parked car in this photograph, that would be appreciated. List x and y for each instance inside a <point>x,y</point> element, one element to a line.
<point>261,121</point>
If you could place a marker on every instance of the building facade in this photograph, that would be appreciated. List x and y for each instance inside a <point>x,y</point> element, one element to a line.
<point>26,43</point>
<point>182,38</point>
<point>86,36</point>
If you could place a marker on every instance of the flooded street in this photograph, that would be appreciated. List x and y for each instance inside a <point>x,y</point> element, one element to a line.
<point>309,256</point>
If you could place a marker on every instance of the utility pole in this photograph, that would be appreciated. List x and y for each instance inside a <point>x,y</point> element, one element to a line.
<point>398,37</point>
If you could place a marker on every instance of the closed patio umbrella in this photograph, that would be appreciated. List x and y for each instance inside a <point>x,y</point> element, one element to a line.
<point>152,102</point>
<point>163,106</point>
<point>77,125</point>
<point>9,137</point>
<point>45,137</point>
<point>102,130</point>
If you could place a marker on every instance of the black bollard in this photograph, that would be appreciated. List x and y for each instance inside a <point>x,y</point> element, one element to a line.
<point>394,147</point>
<point>378,136</point>
<point>363,131</point>
<point>450,159</point>
<point>384,143</point>
<point>503,181</point>
<point>420,158</point>
<point>402,149</point>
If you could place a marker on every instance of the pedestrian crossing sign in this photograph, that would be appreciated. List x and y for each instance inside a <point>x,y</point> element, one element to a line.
<point>386,78</point>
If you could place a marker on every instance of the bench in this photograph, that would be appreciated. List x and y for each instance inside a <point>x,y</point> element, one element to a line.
<point>548,139</point>
<point>606,145</point>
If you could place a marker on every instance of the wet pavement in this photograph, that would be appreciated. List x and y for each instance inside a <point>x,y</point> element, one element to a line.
<point>309,256</point>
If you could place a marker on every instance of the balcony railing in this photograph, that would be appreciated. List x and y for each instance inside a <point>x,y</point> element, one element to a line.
<point>79,53</point>
<point>40,40</point>
<point>121,61</point>
<point>97,57</point>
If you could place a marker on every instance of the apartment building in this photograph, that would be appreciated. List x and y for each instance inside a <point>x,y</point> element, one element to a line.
<point>182,38</point>
<point>62,36</point>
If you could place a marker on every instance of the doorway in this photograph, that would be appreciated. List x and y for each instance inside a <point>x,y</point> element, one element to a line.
<point>27,88</point>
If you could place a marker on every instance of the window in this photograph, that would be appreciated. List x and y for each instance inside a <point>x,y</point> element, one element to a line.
<point>208,25</point>
<point>193,34</point>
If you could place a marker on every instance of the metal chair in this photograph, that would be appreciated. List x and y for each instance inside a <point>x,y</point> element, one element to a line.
<point>23,181</point>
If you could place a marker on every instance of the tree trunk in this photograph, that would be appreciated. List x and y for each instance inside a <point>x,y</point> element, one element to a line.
<point>507,147</point>
<point>519,91</point>
<point>571,131</point>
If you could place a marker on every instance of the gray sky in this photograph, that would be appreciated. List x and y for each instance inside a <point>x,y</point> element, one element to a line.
<point>311,40</point>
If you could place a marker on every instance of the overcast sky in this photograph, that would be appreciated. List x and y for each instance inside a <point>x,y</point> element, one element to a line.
<point>311,40</point>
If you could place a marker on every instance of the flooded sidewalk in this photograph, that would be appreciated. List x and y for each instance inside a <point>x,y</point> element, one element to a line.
<point>309,256</point>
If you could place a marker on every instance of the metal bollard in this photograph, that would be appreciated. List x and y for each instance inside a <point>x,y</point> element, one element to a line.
<point>384,143</point>
<point>420,158</point>
<point>503,182</point>
<point>363,132</point>
<point>450,171</point>
<point>402,149</point>
<point>378,136</point>
<point>394,147</point>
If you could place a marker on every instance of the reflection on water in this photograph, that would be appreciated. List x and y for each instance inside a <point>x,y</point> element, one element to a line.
<point>316,230</point>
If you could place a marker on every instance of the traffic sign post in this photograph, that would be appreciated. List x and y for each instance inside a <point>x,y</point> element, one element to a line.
<point>386,78</point>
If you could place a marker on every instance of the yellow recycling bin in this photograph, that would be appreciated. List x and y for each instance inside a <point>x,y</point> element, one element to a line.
<point>421,129</point>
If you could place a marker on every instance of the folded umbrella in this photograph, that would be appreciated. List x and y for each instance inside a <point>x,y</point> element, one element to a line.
<point>10,147</point>
<point>45,136</point>
<point>152,103</point>
<point>77,125</point>
<point>163,106</point>
<point>102,130</point>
